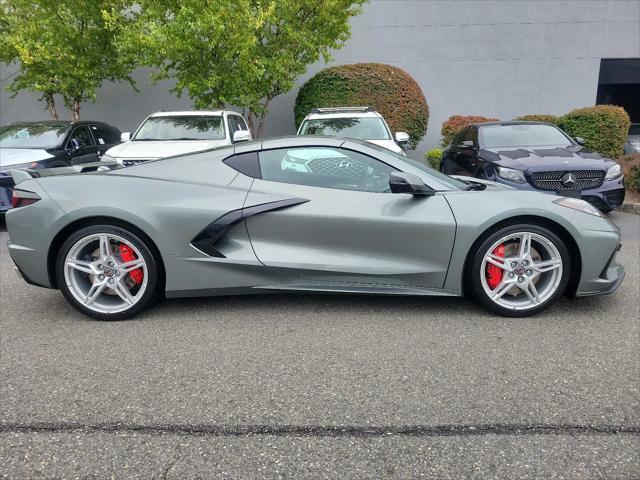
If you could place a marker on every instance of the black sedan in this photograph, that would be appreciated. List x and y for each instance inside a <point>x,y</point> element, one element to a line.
<point>50,144</point>
<point>535,156</point>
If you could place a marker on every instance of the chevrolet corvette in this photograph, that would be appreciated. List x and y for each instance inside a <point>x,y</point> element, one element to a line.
<point>303,214</point>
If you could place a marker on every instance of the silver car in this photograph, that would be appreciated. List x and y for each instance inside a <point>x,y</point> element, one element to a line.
<point>301,214</point>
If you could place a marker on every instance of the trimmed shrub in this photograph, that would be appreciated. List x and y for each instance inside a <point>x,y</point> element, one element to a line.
<point>631,168</point>
<point>455,123</point>
<point>433,157</point>
<point>604,128</point>
<point>390,90</point>
<point>552,119</point>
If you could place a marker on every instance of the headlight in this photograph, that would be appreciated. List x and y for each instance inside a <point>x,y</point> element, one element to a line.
<point>510,174</point>
<point>108,158</point>
<point>614,172</point>
<point>580,205</point>
<point>7,168</point>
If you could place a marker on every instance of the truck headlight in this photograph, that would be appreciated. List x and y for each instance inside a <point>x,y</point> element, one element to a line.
<point>614,171</point>
<point>510,174</point>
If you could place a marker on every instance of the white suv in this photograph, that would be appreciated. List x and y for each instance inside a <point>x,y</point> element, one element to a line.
<point>164,134</point>
<point>363,123</point>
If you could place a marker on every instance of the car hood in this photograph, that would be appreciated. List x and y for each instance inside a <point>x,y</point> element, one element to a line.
<point>548,158</point>
<point>162,148</point>
<point>17,156</point>
<point>388,144</point>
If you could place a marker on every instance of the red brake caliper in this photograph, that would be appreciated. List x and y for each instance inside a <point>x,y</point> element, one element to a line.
<point>127,255</point>
<point>494,273</point>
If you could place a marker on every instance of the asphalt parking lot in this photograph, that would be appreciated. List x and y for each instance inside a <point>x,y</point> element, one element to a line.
<point>296,386</point>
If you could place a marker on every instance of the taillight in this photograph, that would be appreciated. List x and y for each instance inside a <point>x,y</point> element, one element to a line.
<point>22,198</point>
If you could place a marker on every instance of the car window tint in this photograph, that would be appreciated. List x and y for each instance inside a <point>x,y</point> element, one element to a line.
<point>459,138</point>
<point>326,167</point>
<point>242,125</point>
<point>104,135</point>
<point>81,137</point>
<point>232,124</point>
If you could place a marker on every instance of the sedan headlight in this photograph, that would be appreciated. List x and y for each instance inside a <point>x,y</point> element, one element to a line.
<point>614,172</point>
<point>580,205</point>
<point>108,158</point>
<point>510,174</point>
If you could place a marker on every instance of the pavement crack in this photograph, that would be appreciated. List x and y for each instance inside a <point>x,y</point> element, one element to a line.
<point>323,431</point>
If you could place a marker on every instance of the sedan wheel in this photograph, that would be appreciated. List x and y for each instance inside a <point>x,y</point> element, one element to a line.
<point>520,270</point>
<point>106,272</point>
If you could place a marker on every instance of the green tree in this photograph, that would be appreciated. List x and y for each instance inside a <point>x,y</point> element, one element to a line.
<point>61,48</point>
<point>234,52</point>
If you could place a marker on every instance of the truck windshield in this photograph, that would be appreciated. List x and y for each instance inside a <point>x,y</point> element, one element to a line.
<point>184,127</point>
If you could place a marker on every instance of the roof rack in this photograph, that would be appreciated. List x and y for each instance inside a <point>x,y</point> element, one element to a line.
<point>342,109</point>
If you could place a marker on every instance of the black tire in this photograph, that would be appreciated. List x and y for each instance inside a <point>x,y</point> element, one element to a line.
<point>474,269</point>
<point>151,264</point>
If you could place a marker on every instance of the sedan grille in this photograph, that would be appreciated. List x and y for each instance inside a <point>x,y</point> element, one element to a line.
<point>583,179</point>
<point>342,166</point>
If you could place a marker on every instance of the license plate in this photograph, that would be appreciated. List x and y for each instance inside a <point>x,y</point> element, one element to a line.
<point>570,192</point>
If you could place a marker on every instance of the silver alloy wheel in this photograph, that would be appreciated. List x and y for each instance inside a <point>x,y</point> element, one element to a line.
<point>97,276</point>
<point>530,276</point>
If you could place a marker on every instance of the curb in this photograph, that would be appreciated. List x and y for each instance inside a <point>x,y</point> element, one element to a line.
<point>629,207</point>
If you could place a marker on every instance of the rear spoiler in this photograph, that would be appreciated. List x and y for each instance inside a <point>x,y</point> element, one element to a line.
<point>20,175</point>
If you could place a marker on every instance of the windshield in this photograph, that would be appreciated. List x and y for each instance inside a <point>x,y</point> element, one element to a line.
<point>189,127</point>
<point>364,128</point>
<point>33,135</point>
<point>441,178</point>
<point>534,135</point>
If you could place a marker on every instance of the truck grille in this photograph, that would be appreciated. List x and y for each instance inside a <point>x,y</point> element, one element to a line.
<point>585,179</point>
<point>129,163</point>
<point>346,167</point>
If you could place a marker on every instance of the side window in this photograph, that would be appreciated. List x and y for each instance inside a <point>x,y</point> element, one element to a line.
<point>460,137</point>
<point>242,125</point>
<point>325,167</point>
<point>232,124</point>
<point>104,135</point>
<point>80,137</point>
<point>473,136</point>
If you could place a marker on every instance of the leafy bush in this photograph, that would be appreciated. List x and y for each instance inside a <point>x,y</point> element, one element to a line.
<point>455,123</point>
<point>604,128</point>
<point>552,119</point>
<point>433,157</point>
<point>631,168</point>
<point>390,90</point>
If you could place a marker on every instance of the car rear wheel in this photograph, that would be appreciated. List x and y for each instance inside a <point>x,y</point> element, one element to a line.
<point>520,270</point>
<point>107,272</point>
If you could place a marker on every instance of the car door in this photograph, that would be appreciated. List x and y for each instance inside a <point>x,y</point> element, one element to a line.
<point>104,137</point>
<point>81,145</point>
<point>466,154</point>
<point>342,224</point>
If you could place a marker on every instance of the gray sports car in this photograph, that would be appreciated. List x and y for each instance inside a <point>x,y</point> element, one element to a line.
<point>298,214</point>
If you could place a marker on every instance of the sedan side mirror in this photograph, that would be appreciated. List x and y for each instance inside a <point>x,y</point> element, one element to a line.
<point>241,136</point>
<point>125,136</point>
<point>402,137</point>
<point>581,141</point>
<point>401,182</point>
<point>467,145</point>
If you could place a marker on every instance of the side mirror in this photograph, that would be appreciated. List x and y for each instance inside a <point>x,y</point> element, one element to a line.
<point>402,137</point>
<point>467,145</point>
<point>401,182</point>
<point>241,136</point>
<point>581,141</point>
<point>125,136</point>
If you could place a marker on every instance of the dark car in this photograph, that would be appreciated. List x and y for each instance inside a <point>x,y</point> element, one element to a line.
<point>50,144</point>
<point>535,156</point>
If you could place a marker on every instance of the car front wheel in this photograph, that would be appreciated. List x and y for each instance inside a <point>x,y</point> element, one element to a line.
<point>520,270</point>
<point>107,272</point>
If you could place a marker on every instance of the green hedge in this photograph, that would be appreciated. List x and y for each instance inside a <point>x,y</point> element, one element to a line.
<point>604,128</point>
<point>455,123</point>
<point>433,158</point>
<point>631,167</point>
<point>540,118</point>
<point>390,90</point>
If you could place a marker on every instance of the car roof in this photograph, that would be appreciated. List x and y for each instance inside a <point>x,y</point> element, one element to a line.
<point>62,123</point>
<point>315,116</point>
<point>510,122</point>
<point>191,113</point>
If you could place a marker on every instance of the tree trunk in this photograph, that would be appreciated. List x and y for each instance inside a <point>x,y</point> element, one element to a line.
<point>251,124</point>
<point>75,108</point>
<point>51,105</point>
